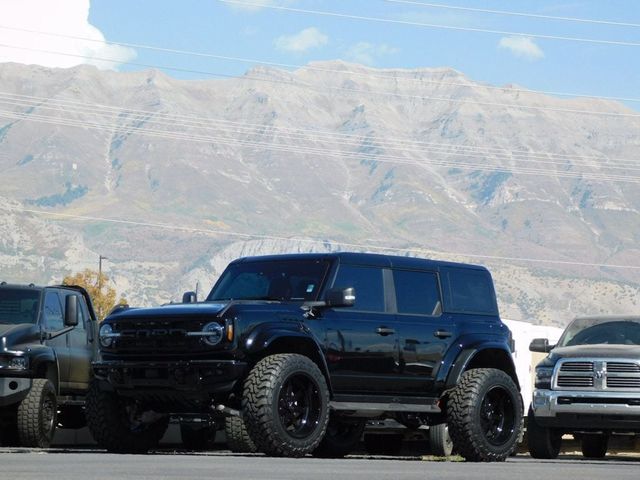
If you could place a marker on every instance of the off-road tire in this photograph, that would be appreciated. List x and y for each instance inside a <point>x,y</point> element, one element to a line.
<point>383,443</point>
<point>341,438</point>
<point>286,405</point>
<point>543,442</point>
<point>484,414</point>
<point>594,446</point>
<point>238,439</point>
<point>197,439</point>
<point>108,423</point>
<point>36,417</point>
<point>440,440</point>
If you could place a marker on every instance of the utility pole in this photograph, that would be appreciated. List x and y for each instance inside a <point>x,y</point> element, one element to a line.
<point>101,258</point>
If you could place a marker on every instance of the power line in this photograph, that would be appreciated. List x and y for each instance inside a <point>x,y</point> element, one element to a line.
<point>324,153</point>
<point>315,68</point>
<point>362,246</point>
<point>430,25</point>
<point>296,134</point>
<point>341,89</point>
<point>516,14</point>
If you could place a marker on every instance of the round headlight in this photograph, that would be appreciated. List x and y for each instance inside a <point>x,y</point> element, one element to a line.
<point>214,332</point>
<point>106,335</point>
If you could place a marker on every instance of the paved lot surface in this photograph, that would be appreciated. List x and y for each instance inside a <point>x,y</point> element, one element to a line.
<point>22,464</point>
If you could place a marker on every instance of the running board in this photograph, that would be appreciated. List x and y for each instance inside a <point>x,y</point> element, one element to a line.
<point>385,404</point>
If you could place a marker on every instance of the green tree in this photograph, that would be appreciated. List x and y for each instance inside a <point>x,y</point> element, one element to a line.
<point>102,295</point>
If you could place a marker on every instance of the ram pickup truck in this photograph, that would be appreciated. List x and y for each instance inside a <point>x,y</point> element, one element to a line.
<point>294,353</point>
<point>588,386</point>
<point>47,344</point>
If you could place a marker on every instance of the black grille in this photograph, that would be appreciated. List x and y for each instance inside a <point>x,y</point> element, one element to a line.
<point>577,367</point>
<point>623,382</point>
<point>620,367</point>
<point>575,381</point>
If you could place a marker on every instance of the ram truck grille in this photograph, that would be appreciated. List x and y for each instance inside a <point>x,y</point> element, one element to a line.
<point>597,375</point>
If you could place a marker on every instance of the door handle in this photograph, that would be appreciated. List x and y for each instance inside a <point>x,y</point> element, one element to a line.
<point>442,334</point>
<point>384,331</point>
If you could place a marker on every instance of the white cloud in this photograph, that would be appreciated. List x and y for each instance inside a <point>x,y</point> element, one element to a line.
<point>522,47</point>
<point>64,17</point>
<point>302,41</point>
<point>367,53</point>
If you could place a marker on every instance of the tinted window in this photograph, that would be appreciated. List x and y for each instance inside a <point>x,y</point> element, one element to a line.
<point>470,291</point>
<point>417,292</point>
<point>18,306</point>
<point>53,311</point>
<point>367,283</point>
<point>295,280</point>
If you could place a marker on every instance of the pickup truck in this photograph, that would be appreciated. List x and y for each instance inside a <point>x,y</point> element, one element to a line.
<point>587,386</point>
<point>47,343</point>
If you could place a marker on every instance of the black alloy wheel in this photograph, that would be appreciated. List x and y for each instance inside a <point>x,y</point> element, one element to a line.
<point>299,405</point>
<point>497,415</point>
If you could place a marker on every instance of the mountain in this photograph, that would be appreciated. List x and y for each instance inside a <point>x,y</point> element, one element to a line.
<point>170,179</point>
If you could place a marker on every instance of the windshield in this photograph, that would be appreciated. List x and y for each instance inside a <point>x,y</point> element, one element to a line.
<point>18,306</point>
<point>295,280</point>
<point>591,331</point>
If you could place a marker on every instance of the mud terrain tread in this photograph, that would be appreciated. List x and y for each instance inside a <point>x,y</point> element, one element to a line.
<point>260,389</point>
<point>462,402</point>
<point>238,438</point>
<point>29,422</point>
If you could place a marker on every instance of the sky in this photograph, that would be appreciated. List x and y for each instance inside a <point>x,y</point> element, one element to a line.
<point>591,58</point>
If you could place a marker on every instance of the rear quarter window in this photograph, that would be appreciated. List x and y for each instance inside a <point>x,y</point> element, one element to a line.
<point>469,291</point>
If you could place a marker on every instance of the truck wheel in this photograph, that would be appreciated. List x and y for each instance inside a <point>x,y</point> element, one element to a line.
<point>543,442</point>
<point>342,438</point>
<point>383,443</point>
<point>37,415</point>
<point>197,439</point>
<point>594,446</point>
<point>238,439</point>
<point>440,440</point>
<point>286,405</point>
<point>118,425</point>
<point>484,413</point>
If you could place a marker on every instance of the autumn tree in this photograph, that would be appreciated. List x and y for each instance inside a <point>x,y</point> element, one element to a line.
<point>102,295</point>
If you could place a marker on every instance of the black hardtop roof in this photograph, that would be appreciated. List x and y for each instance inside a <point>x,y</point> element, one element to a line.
<point>368,259</point>
<point>21,286</point>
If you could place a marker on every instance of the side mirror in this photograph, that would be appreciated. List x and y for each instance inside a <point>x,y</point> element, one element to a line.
<point>71,311</point>
<point>341,297</point>
<point>540,345</point>
<point>189,297</point>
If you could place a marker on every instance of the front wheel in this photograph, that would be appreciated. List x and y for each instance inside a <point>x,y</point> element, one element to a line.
<point>543,442</point>
<point>440,440</point>
<point>594,446</point>
<point>120,425</point>
<point>484,414</point>
<point>36,420</point>
<point>286,405</point>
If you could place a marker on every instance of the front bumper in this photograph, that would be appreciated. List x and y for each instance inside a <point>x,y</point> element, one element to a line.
<point>587,410</point>
<point>13,390</point>
<point>196,376</point>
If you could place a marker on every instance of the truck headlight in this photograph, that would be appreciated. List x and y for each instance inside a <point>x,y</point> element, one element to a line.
<point>543,377</point>
<point>15,363</point>
<point>107,335</point>
<point>211,334</point>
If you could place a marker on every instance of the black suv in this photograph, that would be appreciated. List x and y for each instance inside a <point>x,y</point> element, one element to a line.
<point>46,348</point>
<point>293,353</point>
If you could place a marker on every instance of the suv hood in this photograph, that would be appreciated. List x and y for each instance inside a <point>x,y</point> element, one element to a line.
<point>171,310</point>
<point>12,335</point>
<point>600,350</point>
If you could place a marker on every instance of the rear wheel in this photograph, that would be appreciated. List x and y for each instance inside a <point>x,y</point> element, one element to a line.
<point>595,446</point>
<point>342,438</point>
<point>543,442</point>
<point>238,439</point>
<point>440,440</point>
<point>120,425</point>
<point>36,419</point>
<point>286,405</point>
<point>484,413</point>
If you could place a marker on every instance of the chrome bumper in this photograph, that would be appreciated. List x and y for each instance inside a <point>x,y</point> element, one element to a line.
<point>549,403</point>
